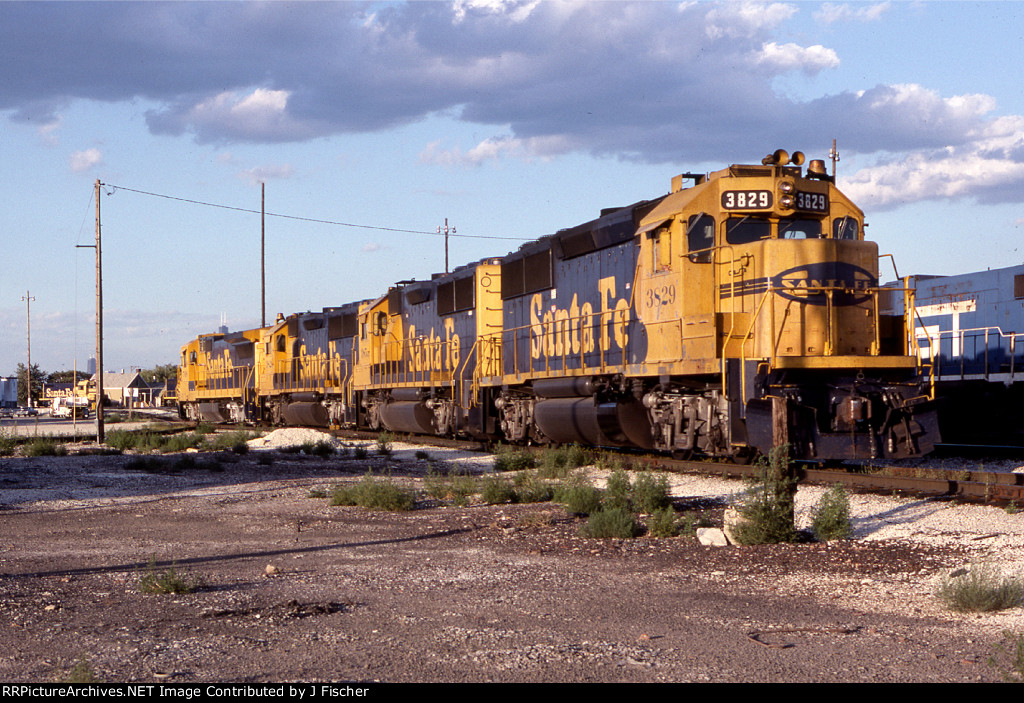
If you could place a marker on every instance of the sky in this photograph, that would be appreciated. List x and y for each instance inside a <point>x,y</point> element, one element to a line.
<point>369,125</point>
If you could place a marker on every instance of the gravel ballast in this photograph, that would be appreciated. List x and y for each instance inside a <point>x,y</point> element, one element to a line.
<point>299,590</point>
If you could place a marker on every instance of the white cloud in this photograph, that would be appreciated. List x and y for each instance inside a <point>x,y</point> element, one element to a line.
<point>85,160</point>
<point>792,57</point>
<point>371,247</point>
<point>746,19</point>
<point>830,13</point>
<point>988,170</point>
<point>261,174</point>
<point>515,10</point>
<point>494,149</point>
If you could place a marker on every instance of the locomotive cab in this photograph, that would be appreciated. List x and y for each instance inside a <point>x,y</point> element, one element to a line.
<point>757,283</point>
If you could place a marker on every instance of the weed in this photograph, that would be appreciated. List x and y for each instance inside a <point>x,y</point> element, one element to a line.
<point>422,455</point>
<point>8,441</point>
<point>265,459</point>
<point>359,452</point>
<point>609,461</point>
<point>662,523</point>
<point>610,523</point>
<point>832,516</point>
<point>374,493</point>
<point>496,491</point>
<point>384,442</point>
<point>558,462</point>
<point>1012,508</point>
<point>766,508</point>
<point>650,494</point>
<point>205,428</point>
<point>454,486</point>
<point>617,491</point>
<point>316,493</point>
<point>981,588</point>
<point>236,441</point>
<point>170,580</point>
<point>44,446</point>
<point>512,459</point>
<point>181,442</point>
<point>322,448</point>
<point>149,464</point>
<point>532,489</point>
<point>687,525</point>
<point>81,672</point>
<point>1009,657</point>
<point>579,496</point>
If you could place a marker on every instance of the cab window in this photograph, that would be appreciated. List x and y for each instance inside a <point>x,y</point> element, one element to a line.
<point>661,249</point>
<point>700,238</point>
<point>845,228</point>
<point>799,229</point>
<point>744,230</point>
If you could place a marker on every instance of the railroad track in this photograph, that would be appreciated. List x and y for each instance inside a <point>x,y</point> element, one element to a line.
<point>975,484</point>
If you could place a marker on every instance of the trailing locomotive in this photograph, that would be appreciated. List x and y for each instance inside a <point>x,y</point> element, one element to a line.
<point>724,318</point>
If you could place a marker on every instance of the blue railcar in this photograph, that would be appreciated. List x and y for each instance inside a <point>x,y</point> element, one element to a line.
<point>970,329</point>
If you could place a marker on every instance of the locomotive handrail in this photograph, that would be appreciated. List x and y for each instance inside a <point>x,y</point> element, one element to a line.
<point>961,333</point>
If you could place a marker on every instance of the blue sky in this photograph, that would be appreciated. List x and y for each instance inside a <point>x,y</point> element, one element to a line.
<point>511,119</point>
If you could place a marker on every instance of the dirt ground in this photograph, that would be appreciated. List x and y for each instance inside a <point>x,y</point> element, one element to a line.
<point>298,590</point>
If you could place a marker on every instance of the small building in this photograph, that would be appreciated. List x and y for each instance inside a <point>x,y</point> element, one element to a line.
<point>127,390</point>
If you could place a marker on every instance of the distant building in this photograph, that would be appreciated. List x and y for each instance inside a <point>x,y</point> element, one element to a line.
<point>129,390</point>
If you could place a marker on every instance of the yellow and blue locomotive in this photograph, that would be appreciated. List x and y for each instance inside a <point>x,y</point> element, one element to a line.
<point>738,312</point>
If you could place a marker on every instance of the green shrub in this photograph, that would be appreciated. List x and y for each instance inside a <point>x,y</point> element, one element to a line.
<point>375,493</point>
<point>832,516</point>
<point>453,486</point>
<point>170,580</point>
<point>617,491</point>
<point>496,491</point>
<point>512,459</point>
<point>8,441</point>
<point>384,442</point>
<point>235,441</point>
<point>558,462</point>
<point>1009,657</point>
<point>322,448</point>
<point>422,455</point>
<point>579,496</point>
<point>766,508</point>
<point>81,672</point>
<point>359,452</point>
<point>662,523</point>
<point>181,442</point>
<point>44,446</point>
<point>531,489</point>
<point>981,588</point>
<point>611,523</point>
<point>650,494</point>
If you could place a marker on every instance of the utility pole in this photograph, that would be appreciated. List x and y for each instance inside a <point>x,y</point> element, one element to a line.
<point>99,318</point>
<point>27,299</point>
<point>446,231</point>
<point>834,155</point>
<point>263,250</point>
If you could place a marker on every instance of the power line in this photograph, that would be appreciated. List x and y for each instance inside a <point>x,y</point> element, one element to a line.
<point>306,219</point>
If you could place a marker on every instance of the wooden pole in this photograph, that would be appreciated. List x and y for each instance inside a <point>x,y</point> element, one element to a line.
<point>99,323</point>
<point>263,250</point>
<point>28,341</point>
